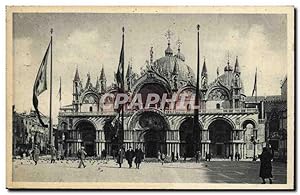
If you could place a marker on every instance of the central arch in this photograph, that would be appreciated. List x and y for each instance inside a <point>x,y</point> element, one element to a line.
<point>220,134</point>
<point>87,133</point>
<point>151,128</point>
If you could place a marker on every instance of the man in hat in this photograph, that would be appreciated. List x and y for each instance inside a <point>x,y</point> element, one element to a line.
<point>129,156</point>
<point>36,154</point>
<point>81,155</point>
<point>53,154</point>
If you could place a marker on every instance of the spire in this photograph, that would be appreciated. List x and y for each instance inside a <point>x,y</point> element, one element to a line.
<point>102,74</point>
<point>204,69</point>
<point>97,84</point>
<point>169,51</point>
<point>228,67</point>
<point>237,66</point>
<point>76,78</point>
<point>179,54</point>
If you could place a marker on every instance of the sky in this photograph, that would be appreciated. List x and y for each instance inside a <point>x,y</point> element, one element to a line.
<point>90,41</point>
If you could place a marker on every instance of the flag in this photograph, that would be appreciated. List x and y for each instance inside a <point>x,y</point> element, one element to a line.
<point>59,91</point>
<point>40,84</point>
<point>120,73</point>
<point>255,83</point>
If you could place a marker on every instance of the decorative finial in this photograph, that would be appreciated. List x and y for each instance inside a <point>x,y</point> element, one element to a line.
<point>198,27</point>
<point>123,29</point>
<point>151,55</point>
<point>51,31</point>
<point>179,43</point>
<point>228,57</point>
<point>169,34</point>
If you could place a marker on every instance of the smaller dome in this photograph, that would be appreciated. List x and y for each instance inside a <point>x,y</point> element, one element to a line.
<point>228,68</point>
<point>179,55</point>
<point>168,51</point>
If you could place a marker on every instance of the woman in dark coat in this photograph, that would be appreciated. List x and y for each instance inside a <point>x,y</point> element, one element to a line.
<point>266,165</point>
<point>139,155</point>
<point>120,157</point>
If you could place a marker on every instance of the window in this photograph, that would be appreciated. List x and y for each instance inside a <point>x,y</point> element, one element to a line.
<point>91,109</point>
<point>218,106</point>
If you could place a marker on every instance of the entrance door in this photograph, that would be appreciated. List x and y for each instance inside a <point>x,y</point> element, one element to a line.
<point>220,150</point>
<point>151,149</point>
<point>89,148</point>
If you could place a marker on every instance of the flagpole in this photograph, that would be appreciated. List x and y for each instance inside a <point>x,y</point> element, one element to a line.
<point>196,110</point>
<point>60,92</point>
<point>122,108</point>
<point>50,106</point>
<point>256,86</point>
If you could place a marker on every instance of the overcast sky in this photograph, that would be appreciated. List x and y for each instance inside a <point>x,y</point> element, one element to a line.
<point>90,41</point>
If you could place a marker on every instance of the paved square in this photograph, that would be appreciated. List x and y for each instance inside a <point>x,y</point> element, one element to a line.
<point>179,172</point>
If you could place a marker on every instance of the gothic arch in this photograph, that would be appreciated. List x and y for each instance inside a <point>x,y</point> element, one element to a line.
<point>90,93</point>
<point>151,78</point>
<point>210,90</point>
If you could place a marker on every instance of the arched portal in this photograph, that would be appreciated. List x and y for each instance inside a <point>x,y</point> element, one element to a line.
<point>219,135</point>
<point>154,88</point>
<point>153,133</point>
<point>87,133</point>
<point>187,142</point>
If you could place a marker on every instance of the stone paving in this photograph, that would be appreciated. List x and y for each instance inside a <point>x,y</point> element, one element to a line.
<point>152,172</point>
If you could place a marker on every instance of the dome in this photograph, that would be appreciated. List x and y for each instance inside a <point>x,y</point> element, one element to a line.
<point>165,67</point>
<point>227,80</point>
<point>168,51</point>
<point>180,56</point>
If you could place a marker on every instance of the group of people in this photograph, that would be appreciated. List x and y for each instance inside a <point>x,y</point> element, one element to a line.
<point>129,155</point>
<point>137,156</point>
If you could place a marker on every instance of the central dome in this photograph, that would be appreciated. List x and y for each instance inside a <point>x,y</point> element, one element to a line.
<point>165,66</point>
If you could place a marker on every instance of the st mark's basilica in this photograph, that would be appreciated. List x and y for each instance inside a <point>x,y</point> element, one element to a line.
<point>227,123</point>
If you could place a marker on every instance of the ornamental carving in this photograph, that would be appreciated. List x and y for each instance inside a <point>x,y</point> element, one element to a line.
<point>89,99</point>
<point>217,95</point>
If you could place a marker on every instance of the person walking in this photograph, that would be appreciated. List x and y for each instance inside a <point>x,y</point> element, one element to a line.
<point>104,154</point>
<point>173,156</point>
<point>159,156</point>
<point>129,156</point>
<point>120,157</point>
<point>36,154</point>
<point>139,155</point>
<point>81,155</point>
<point>162,158</point>
<point>53,153</point>
<point>266,165</point>
<point>197,156</point>
<point>236,156</point>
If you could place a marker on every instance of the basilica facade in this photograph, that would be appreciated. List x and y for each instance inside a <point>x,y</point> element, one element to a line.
<point>226,124</point>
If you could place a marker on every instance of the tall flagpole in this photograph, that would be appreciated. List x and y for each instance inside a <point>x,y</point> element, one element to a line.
<point>122,108</point>
<point>256,85</point>
<point>196,111</point>
<point>50,110</point>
